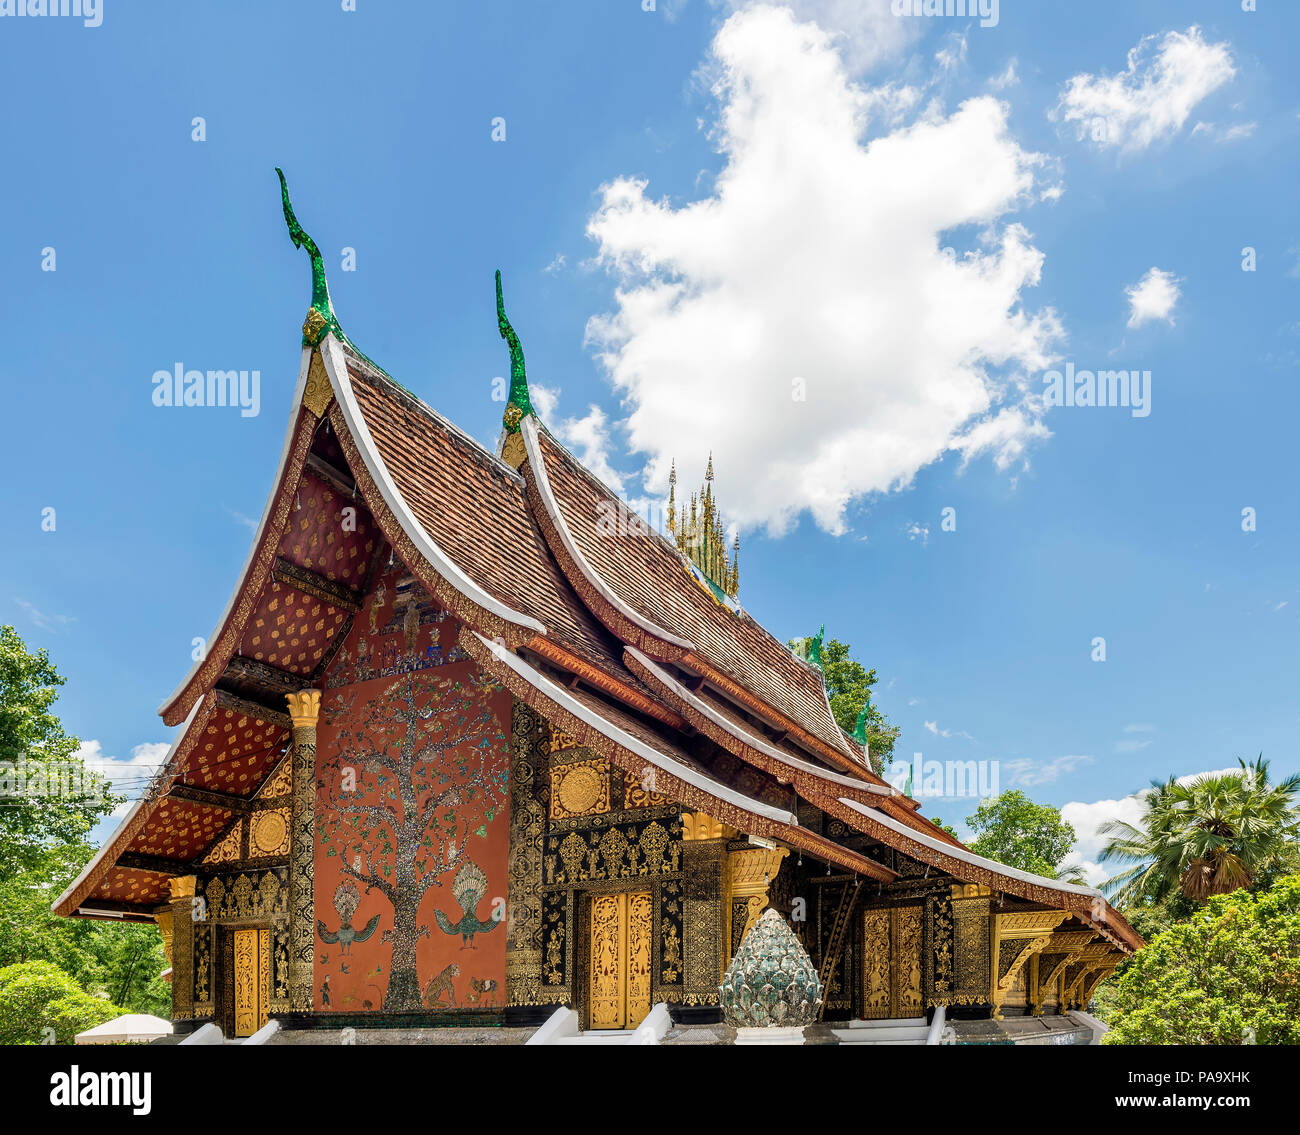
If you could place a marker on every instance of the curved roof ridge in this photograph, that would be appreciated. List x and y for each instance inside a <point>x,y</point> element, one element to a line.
<point>663,595</point>
<point>1028,880</point>
<point>744,736</point>
<point>541,479</point>
<point>455,576</point>
<point>764,820</point>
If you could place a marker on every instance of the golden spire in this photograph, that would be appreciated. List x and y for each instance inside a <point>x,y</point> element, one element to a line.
<point>701,535</point>
<point>672,498</point>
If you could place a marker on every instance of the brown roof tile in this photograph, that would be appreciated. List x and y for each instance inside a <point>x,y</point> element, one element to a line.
<point>650,577</point>
<point>473,507</point>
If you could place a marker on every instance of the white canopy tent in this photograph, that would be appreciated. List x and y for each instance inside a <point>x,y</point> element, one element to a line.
<point>132,1028</point>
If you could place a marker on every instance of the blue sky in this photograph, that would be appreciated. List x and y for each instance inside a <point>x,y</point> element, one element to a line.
<point>650,166</point>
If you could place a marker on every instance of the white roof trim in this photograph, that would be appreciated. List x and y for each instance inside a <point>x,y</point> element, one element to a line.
<point>626,740</point>
<point>303,367</point>
<point>701,706</point>
<point>337,369</point>
<point>528,427</point>
<point>969,856</point>
<point>182,731</point>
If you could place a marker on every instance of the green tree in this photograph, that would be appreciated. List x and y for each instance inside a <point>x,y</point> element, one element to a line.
<point>32,737</point>
<point>36,996</point>
<point>29,930</point>
<point>1208,837</point>
<point>43,847</point>
<point>122,962</point>
<point>1230,974</point>
<point>1014,830</point>
<point>848,688</point>
<point>940,824</point>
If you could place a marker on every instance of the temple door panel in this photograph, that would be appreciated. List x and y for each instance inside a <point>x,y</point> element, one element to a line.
<point>621,934</point>
<point>251,979</point>
<point>891,963</point>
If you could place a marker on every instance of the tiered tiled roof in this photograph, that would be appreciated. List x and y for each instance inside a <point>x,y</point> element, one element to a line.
<point>602,628</point>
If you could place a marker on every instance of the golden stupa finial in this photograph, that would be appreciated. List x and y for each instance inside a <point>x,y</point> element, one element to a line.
<point>701,536</point>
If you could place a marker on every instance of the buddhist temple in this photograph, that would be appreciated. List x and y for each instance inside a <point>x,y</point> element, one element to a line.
<point>458,754</point>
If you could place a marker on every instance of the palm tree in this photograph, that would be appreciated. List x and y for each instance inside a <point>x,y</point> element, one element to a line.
<point>1210,836</point>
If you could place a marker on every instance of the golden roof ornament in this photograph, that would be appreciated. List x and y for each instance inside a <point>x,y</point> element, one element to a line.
<point>701,536</point>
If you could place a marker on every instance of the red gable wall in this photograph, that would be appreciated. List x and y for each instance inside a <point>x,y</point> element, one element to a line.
<point>410,918</point>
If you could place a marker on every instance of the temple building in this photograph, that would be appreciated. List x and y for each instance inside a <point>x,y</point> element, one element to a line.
<point>460,752</point>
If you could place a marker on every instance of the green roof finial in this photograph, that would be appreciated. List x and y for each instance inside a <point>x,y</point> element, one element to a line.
<point>519,403</point>
<point>815,647</point>
<point>320,318</point>
<point>860,729</point>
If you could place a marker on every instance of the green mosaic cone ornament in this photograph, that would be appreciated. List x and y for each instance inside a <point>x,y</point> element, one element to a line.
<point>771,982</point>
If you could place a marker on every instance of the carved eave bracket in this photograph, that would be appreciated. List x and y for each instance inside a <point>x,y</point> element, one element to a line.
<point>1016,939</point>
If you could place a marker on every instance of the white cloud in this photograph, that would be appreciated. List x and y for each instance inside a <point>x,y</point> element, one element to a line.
<point>1030,773</point>
<point>588,437</point>
<point>556,265</point>
<point>46,622</point>
<point>1008,78</point>
<point>239,518</point>
<point>127,777</point>
<point>1153,297</point>
<point>865,32</point>
<point>1131,745</point>
<point>933,727</point>
<point>1152,97</point>
<point>817,266</point>
<point>545,399</point>
<point>920,532</point>
<point>1217,133</point>
<point>954,54</point>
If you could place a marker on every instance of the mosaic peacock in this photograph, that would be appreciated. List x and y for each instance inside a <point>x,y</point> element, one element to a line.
<point>346,900</point>
<point>468,889</point>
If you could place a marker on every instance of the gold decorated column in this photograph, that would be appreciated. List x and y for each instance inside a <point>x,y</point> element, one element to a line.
<point>178,929</point>
<point>304,709</point>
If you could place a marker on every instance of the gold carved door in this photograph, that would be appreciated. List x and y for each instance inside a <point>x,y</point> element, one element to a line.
<point>892,942</point>
<point>620,960</point>
<point>252,979</point>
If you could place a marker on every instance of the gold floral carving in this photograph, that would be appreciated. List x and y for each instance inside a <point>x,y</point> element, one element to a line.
<point>164,920</point>
<point>579,789</point>
<point>304,708</point>
<point>269,833</point>
<point>317,393</point>
<point>1017,938</point>
<point>313,325</point>
<point>892,962</point>
<point>561,741</point>
<point>229,849</point>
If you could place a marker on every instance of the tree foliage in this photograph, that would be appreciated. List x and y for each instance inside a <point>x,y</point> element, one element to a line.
<point>1230,974</point>
<point>31,735</point>
<point>1207,837</point>
<point>38,996</point>
<point>43,848</point>
<point>848,688</point>
<point>1014,830</point>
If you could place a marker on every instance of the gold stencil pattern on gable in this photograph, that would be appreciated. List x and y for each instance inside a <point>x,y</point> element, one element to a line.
<point>580,788</point>
<point>268,833</point>
<point>229,848</point>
